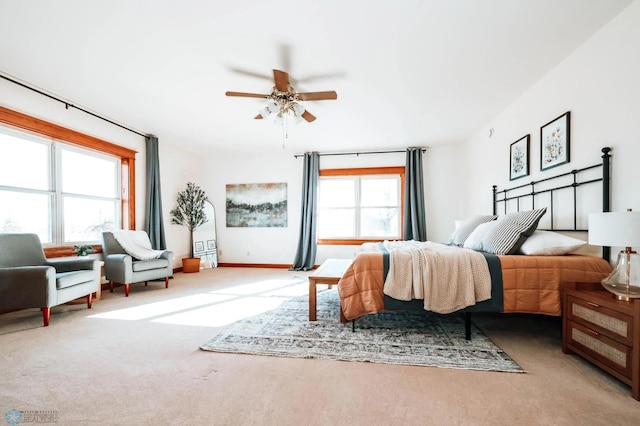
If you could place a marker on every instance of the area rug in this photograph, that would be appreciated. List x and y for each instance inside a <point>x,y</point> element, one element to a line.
<point>408,338</point>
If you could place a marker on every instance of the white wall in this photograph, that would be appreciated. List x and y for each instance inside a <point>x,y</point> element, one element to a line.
<point>599,84</point>
<point>278,245</point>
<point>213,170</point>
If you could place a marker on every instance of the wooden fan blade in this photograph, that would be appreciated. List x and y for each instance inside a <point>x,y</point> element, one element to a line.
<point>258,117</point>
<point>317,96</point>
<point>251,73</point>
<point>246,95</point>
<point>308,116</point>
<point>281,79</point>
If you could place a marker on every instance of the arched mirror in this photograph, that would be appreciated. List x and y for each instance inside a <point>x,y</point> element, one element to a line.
<point>205,240</point>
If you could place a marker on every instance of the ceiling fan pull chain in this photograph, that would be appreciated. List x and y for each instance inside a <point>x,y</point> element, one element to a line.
<point>285,133</point>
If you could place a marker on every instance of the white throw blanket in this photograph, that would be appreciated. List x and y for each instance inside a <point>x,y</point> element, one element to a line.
<point>136,244</point>
<point>448,278</point>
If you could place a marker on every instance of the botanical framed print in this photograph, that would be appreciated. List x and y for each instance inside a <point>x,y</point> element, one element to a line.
<point>519,158</point>
<point>554,142</point>
<point>211,245</point>
<point>199,246</point>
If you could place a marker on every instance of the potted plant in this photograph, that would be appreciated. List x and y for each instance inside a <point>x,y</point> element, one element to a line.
<point>83,250</point>
<point>189,212</point>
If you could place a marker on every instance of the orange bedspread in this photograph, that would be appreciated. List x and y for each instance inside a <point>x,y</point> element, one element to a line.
<point>531,284</point>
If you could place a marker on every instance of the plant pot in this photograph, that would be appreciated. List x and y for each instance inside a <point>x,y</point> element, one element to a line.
<point>191,264</point>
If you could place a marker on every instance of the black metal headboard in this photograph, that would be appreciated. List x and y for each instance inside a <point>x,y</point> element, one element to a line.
<point>530,195</point>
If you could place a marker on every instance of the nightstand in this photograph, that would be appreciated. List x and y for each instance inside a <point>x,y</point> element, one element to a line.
<point>604,331</point>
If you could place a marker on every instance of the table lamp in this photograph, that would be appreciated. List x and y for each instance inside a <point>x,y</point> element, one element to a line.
<point>619,229</point>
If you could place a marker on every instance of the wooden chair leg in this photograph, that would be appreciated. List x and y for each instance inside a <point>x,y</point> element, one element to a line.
<point>126,290</point>
<point>46,315</point>
<point>89,300</point>
<point>166,282</point>
<point>111,286</point>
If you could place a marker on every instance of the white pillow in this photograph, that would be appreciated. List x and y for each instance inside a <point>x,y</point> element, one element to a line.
<point>466,227</point>
<point>474,240</point>
<point>547,243</point>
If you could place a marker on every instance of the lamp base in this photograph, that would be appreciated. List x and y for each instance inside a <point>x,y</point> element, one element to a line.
<point>624,280</point>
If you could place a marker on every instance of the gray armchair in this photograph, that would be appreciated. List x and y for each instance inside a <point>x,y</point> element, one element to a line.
<point>29,280</point>
<point>122,268</point>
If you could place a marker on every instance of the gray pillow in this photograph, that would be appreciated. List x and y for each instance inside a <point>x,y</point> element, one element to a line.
<point>510,231</point>
<point>465,229</point>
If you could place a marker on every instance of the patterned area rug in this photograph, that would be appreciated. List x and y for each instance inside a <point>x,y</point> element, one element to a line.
<point>423,339</point>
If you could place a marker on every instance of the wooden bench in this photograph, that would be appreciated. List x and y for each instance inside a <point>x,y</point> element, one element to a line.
<point>328,273</point>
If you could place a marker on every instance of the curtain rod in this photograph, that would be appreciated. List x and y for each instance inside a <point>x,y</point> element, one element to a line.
<point>67,105</point>
<point>358,153</point>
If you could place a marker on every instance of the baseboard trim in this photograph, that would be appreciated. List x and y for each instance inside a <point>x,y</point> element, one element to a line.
<point>255,265</point>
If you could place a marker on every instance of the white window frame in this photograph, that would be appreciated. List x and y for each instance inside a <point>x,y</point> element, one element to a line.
<point>357,174</point>
<point>54,190</point>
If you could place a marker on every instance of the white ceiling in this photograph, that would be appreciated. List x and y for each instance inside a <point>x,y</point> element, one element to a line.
<point>407,72</point>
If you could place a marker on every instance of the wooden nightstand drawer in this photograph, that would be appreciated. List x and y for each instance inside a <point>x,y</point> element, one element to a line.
<point>601,319</point>
<point>600,347</point>
<point>604,331</point>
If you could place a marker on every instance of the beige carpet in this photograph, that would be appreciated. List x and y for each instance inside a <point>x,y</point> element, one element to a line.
<point>136,361</point>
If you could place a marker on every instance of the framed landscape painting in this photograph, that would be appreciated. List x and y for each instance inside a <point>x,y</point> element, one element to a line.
<point>519,158</point>
<point>554,142</point>
<point>262,205</point>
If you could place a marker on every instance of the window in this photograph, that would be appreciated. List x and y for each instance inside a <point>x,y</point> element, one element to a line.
<point>357,205</point>
<point>65,186</point>
<point>62,193</point>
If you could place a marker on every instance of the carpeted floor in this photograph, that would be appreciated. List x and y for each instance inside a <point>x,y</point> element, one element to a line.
<point>408,338</point>
<point>136,360</point>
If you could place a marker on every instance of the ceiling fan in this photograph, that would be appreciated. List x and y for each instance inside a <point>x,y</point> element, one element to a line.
<point>284,99</point>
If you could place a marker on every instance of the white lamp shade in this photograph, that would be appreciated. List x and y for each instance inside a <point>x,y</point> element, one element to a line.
<point>615,229</point>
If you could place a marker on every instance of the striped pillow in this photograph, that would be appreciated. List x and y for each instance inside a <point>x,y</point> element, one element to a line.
<point>510,231</point>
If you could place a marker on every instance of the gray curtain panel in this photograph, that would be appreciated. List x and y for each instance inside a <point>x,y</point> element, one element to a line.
<point>415,225</point>
<point>307,247</point>
<point>154,222</point>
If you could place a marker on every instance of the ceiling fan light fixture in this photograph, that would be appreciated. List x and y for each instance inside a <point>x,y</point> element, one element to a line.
<point>298,110</point>
<point>264,112</point>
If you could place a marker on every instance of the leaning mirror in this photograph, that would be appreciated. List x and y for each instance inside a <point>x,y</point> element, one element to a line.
<point>205,244</point>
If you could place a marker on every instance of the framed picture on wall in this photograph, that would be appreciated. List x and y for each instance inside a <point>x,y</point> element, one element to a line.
<point>554,142</point>
<point>199,246</point>
<point>519,158</point>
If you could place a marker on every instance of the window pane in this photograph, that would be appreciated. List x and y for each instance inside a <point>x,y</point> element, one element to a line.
<point>23,212</point>
<point>88,174</point>
<point>339,223</point>
<point>337,193</point>
<point>24,163</point>
<point>86,219</point>
<point>379,192</point>
<point>379,222</point>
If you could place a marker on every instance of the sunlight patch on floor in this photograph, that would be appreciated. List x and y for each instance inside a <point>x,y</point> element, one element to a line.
<point>162,308</point>
<point>217,307</point>
<point>224,313</point>
<point>274,287</point>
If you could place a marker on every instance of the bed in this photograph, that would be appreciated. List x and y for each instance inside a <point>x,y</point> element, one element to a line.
<point>526,274</point>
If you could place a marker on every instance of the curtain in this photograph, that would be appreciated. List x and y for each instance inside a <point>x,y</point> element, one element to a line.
<point>306,252</point>
<point>415,226</point>
<point>154,222</point>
